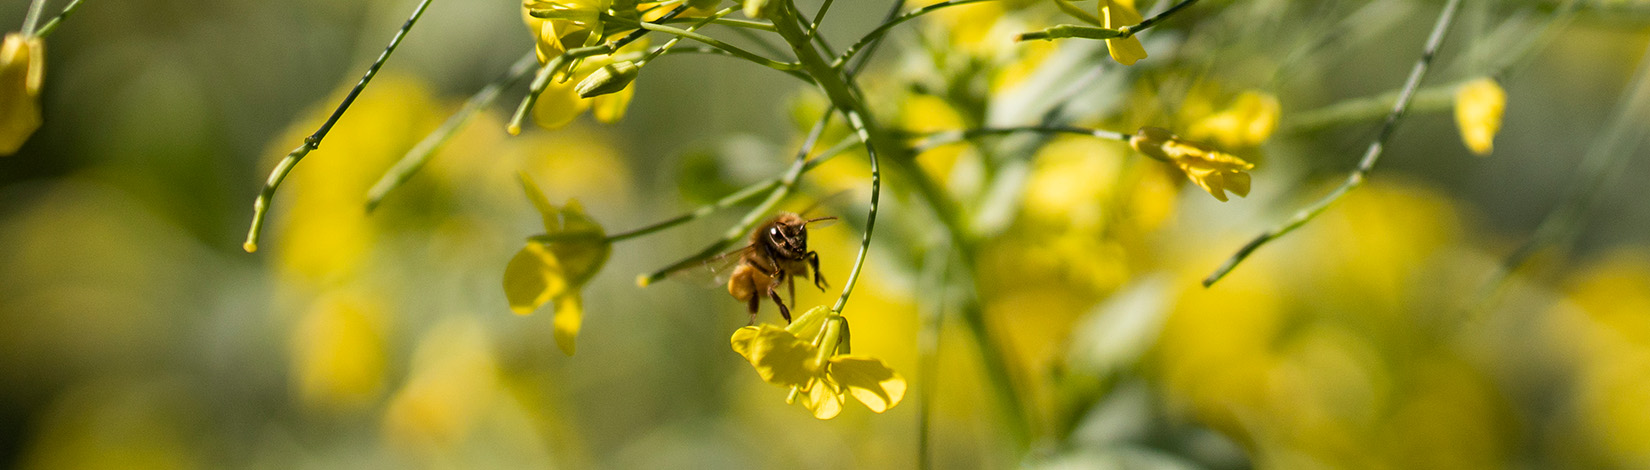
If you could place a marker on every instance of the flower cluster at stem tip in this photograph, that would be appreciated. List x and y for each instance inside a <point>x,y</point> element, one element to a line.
<point>598,84</point>
<point>1215,171</point>
<point>822,378</point>
<point>556,265</point>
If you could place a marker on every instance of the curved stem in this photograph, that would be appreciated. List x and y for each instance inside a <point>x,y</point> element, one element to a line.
<point>260,206</point>
<point>1440,29</point>
<point>882,29</point>
<point>935,139</point>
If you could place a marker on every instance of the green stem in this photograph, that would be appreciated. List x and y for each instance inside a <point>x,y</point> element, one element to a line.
<point>730,22</point>
<point>420,154</point>
<point>846,97</point>
<point>1091,32</point>
<point>32,18</point>
<point>738,197</point>
<point>260,206</point>
<point>1440,29</point>
<point>876,34</point>
<point>1358,110</point>
<point>936,139</point>
<point>46,29</point>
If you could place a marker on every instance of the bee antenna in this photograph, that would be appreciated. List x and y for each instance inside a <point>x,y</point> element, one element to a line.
<point>820,219</point>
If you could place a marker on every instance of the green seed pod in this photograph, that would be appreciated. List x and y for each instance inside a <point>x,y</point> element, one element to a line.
<point>609,79</point>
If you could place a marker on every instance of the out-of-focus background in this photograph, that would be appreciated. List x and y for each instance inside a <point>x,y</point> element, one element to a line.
<point>135,333</point>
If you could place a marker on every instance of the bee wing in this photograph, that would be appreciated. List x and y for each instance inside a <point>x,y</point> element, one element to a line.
<point>713,271</point>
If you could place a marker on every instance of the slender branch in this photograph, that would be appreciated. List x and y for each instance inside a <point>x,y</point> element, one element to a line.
<point>1440,29</point>
<point>260,206</point>
<point>882,29</point>
<point>1091,32</point>
<point>51,25</point>
<point>931,314</point>
<point>819,17</point>
<point>1357,110</point>
<point>936,139</point>
<point>420,154</point>
<point>738,197</point>
<point>717,43</point>
<point>743,228</point>
<point>32,18</point>
<point>730,22</point>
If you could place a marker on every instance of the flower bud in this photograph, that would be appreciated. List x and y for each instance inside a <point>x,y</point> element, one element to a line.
<point>759,8</point>
<point>609,79</point>
<point>1478,108</point>
<point>22,68</point>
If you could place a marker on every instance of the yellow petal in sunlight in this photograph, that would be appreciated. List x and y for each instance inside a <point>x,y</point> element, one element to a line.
<point>778,356</point>
<point>1478,108</point>
<point>533,277</point>
<point>869,380</point>
<point>1117,14</point>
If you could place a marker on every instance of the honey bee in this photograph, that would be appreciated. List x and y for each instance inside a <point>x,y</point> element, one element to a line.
<point>777,254</point>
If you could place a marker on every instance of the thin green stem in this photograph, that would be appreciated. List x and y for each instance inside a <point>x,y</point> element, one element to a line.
<point>729,22</point>
<point>51,25</point>
<point>749,221</point>
<point>741,196</point>
<point>260,206</point>
<point>717,43</point>
<point>420,154</point>
<point>876,34</point>
<point>1092,32</point>
<point>1359,110</point>
<point>32,18</point>
<point>819,17</point>
<point>1440,29</point>
<point>672,42</point>
<point>846,97</point>
<point>936,139</point>
<point>931,313</point>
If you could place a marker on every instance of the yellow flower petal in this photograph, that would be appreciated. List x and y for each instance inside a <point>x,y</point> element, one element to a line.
<point>1117,14</point>
<point>569,318</point>
<point>1211,169</point>
<point>869,380</point>
<point>778,356</point>
<point>533,277</point>
<point>1478,109</point>
<point>22,68</point>
<point>824,400</point>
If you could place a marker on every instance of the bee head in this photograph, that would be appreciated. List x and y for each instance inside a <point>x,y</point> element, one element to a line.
<point>791,240</point>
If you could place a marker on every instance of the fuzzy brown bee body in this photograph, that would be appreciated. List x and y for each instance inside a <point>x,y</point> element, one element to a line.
<point>777,254</point>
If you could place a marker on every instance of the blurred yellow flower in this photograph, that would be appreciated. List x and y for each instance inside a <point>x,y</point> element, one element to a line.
<point>338,352</point>
<point>556,265</point>
<point>1479,105</point>
<point>1117,14</point>
<point>1212,170</point>
<point>826,379</point>
<point>1250,119</point>
<point>22,68</point>
<point>453,381</point>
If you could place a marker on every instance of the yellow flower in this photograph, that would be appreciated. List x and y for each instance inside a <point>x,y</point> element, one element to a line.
<point>1117,14</point>
<point>1478,108</point>
<point>1212,170</point>
<point>825,378</point>
<point>573,24</point>
<point>338,354</point>
<point>1250,119</point>
<point>22,68</point>
<point>556,265</point>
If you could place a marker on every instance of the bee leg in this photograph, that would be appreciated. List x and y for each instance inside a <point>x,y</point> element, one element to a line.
<point>755,303</point>
<point>819,278</point>
<point>773,293</point>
